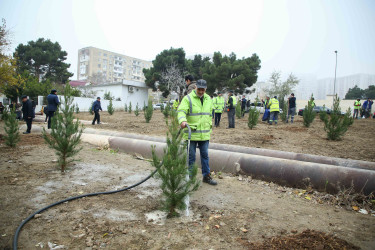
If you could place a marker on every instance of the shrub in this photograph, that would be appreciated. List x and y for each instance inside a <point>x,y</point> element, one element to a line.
<point>337,125</point>
<point>65,132</point>
<point>238,110</point>
<point>11,128</point>
<point>167,110</point>
<point>323,115</point>
<point>308,114</point>
<point>126,107</point>
<point>130,107</point>
<point>253,117</point>
<point>348,118</point>
<point>77,108</point>
<point>136,111</point>
<point>173,171</point>
<point>144,107</point>
<point>284,114</point>
<point>110,108</point>
<point>148,112</point>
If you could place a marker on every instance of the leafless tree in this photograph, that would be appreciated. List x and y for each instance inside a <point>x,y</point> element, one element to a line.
<point>173,79</point>
<point>97,78</point>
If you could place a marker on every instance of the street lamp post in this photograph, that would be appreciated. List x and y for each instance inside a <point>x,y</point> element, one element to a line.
<point>334,83</point>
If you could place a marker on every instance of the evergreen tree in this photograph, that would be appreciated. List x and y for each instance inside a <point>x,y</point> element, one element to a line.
<point>77,109</point>
<point>284,114</point>
<point>308,113</point>
<point>90,108</point>
<point>136,111</point>
<point>148,112</point>
<point>323,115</point>
<point>11,128</point>
<point>173,171</point>
<point>238,110</point>
<point>348,118</point>
<point>162,107</point>
<point>144,106</point>
<point>126,107</point>
<point>253,117</point>
<point>167,110</point>
<point>65,132</point>
<point>337,125</point>
<point>110,108</point>
<point>130,107</point>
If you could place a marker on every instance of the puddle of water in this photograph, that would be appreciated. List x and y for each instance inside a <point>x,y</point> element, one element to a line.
<point>116,215</point>
<point>156,217</point>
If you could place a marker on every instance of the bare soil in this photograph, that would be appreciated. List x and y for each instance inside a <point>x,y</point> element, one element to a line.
<point>239,213</point>
<point>356,144</point>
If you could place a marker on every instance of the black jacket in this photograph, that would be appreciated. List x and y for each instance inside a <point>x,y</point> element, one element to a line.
<point>53,102</point>
<point>27,109</point>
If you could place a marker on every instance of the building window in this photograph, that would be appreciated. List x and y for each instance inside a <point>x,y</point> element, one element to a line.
<point>104,54</point>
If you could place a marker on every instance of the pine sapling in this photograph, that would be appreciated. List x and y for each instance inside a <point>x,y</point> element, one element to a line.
<point>110,108</point>
<point>65,132</point>
<point>323,114</point>
<point>173,171</point>
<point>130,107</point>
<point>308,113</point>
<point>136,111</point>
<point>126,107</point>
<point>253,117</point>
<point>238,110</point>
<point>336,126</point>
<point>162,107</point>
<point>348,118</point>
<point>148,112</point>
<point>167,110</point>
<point>77,108</point>
<point>11,128</point>
<point>144,106</point>
<point>284,113</point>
<point>90,108</point>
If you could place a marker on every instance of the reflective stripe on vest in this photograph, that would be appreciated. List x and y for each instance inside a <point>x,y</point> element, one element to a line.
<point>274,105</point>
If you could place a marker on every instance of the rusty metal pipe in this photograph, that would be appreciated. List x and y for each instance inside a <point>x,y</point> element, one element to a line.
<point>255,151</point>
<point>322,177</point>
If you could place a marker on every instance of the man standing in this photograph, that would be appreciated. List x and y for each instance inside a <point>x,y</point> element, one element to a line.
<point>96,107</point>
<point>195,110</point>
<point>53,102</point>
<point>219,103</point>
<point>367,105</point>
<point>27,110</point>
<point>243,105</point>
<point>357,107</point>
<point>175,104</point>
<point>231,108</point>
<point>274,109</point>
<point>291,108</point>
<point>191,84</point>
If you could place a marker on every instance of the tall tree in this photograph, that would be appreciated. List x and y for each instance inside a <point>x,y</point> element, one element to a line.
<point>44,59</point>
<point>160,64</point>
<point>354,93</point>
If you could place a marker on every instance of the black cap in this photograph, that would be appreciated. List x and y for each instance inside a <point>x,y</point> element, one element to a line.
<point>98,97</point>
<point>53,91</point>
<point>292,94</point>
<point>275,97</point>
<point>201,84</point>
<point>23,96</point>
<point>231,91</point>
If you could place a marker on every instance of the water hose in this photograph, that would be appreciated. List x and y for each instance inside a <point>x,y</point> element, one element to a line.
<point>16,235</point>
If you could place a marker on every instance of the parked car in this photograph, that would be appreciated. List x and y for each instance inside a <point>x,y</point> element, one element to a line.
<point>317,109</point>
<point>157,106</point>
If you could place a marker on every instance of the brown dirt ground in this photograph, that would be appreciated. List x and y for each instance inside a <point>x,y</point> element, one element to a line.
<point>356,144</point>
<point>239,213</point>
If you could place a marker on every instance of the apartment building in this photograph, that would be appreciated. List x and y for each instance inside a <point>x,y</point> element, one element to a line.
<point>103,66</point>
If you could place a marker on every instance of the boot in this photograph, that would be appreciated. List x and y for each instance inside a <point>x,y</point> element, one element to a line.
<point>207,179</point>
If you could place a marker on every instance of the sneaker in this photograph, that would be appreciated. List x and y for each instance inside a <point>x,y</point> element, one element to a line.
<point>207,179</point>
<point>25,133</point>
<point>99,123</point>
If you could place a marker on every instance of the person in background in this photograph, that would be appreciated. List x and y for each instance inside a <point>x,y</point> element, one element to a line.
<point>274,107</point>
<point>291,108</point>
<point>190,83</point>
<point>96,107</point>
<point>366,107</point>
<point>1,110</point>
<point>175,104</point>
<point>53,102</point>
<point>357,107</point>
<point>28,114</point>
<point>243,105</point>
<point>231,108</point>
<point>219,104</point>
<point>45,111</point>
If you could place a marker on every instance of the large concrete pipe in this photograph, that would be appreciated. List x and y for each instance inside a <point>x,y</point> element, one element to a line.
<point>293,173</point>
<point>255,151</point>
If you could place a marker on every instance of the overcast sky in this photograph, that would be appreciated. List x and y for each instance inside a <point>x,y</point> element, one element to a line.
<point>298,36</point>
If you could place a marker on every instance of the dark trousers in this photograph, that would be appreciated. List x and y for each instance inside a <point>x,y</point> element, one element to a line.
<point>217,119</point>
<point>243,109</point>
<point>46,116</point>
<point>28,124</point>
<point>231,115</point>
<point>96,117</point>
<point>203,149</point>
<point>50,115</point>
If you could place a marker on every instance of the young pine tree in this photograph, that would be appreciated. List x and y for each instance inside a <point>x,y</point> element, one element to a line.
<point>11,128</point>
<point>90,109</point>
<point>284,114</point>
<point>173,171</point>
<point>238,110</point>
<point>65,132</point>
<point>335,125</point>
<point>130,107</point>
<point>323,115</point>
<point>308,113</point>
<point>253,117</point>
<point>162,107</point>
<point>126,107</point>
<point>144,106</point>
<point>348,118</point>
<point>167,110</point>
<point>110,108</point>
<point>148,112</point>
<point>136,111</point>
<point>77,108</point>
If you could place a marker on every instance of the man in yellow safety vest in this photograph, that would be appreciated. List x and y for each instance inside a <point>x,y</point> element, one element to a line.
<point>196,111</point>
<point>357,107</point>
<point>274,110</point>
<point>231,108</point>
<point>219,104</point>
